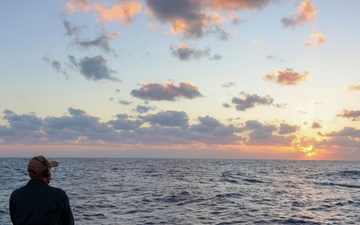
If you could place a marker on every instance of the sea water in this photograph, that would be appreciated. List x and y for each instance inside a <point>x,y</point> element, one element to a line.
<point>199,191</point>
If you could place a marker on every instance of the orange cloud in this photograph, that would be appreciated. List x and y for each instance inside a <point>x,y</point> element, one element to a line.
<point>195,28</point>
<point>216,18</point>
<point>354,88</point>
<point>317,38</point>
<point>123,12</point>
<point>178,27</point>
<point>238,4</point>
<point>78,5</point>
<point>306,12</point>
<point>183,46</point>
<point>286,77</point>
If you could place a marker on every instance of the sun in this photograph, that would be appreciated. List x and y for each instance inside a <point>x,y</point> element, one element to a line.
<point>308,151</point>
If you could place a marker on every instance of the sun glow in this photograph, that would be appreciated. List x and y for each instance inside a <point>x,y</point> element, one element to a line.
<point>308,151</point>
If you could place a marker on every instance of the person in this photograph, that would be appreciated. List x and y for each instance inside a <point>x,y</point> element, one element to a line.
<point>37,203</point>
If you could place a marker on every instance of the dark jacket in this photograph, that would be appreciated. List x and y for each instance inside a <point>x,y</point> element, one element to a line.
<point>37,203</point>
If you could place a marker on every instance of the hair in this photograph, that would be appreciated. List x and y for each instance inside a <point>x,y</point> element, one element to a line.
<point>43,174</point>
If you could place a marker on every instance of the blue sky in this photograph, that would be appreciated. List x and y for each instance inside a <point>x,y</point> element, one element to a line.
<point>181,78</point>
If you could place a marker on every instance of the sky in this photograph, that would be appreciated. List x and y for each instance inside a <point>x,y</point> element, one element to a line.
<point>248,79</point>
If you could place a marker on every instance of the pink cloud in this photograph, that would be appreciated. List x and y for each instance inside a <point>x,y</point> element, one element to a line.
<point>286,77</point>
<point>78,5</point>
<point>238,4</point>
<point>316,39</point>
<point>306,12</point>
<point>123,12</point>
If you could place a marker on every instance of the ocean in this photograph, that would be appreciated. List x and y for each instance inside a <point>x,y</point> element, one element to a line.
<point>198,191</point>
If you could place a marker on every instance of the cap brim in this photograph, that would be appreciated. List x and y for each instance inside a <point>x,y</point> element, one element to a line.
<point>54,164</point>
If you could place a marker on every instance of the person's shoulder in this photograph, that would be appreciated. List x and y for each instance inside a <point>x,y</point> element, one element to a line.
<point>20,189</point>
<point>57,190</point>
<point>18,193</point>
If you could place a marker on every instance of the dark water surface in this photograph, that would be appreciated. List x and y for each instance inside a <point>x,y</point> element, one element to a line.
<point>194,191</point>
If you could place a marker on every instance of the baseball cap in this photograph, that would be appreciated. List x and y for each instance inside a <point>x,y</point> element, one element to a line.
<point>39,164</point>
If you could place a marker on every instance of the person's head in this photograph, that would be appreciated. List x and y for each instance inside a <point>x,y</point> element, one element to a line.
<point>39,168</point>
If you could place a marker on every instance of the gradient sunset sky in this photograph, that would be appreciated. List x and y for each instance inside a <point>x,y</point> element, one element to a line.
<point>259,79</point>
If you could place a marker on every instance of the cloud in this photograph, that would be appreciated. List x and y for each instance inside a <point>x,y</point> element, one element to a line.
<point>143,108</point>
<point>288,129</point>
<point>171,10</point>
<point>71,29</point>
<point>56,65</point>
<point>354,88</point>
<point>316,39</point>
<point>192,19</point>
<point>101,42</point>
<point>168,91</point>
<point>350,114</point>
<point>78,5</point>
<point>76,112</point>
<point>151,26</point>
<point>228,84</point>
<point>73,60</point>
<point>194,30</point>
<point>188,17</point>
<point>251,100</point>
<point>123,12</point>
<point>185,53</point>
<point>206,124</point>
<point>22,122</point>
<point>316,125</point>
<point>95,68</point>
<point>164,128</point>
<point>286,77</point>
<point>306,12</point>
<point>226,105</point>
<point>77,129</point>
<point>124,102</point>
<point>280,105</point>
<point>124,123</point>
<point>169,118</point>
<point>238,4</point>
<point>263,134</point>
<point>347,138</point>
<point>75,121</point>
<point>210,130</point>
<point>346,132</point>
<point>30,129</point>
<point>216,57</point>
<point>220,33</point>
<point>342,143</point>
